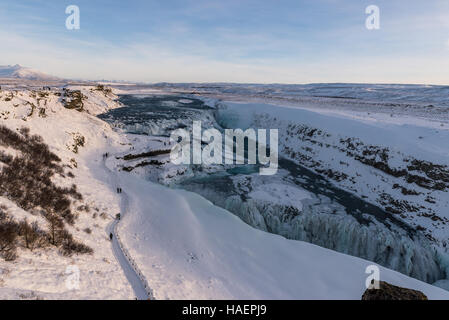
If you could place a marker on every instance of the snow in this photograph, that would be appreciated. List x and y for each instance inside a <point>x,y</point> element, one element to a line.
<point>191,249</point>
<point>184,101</point>
<point>279,194</point>
<point>419,141</point>
<point>321,219</point>
<point>174,243</point>
<point>129,267</point>
<point>41,274</point>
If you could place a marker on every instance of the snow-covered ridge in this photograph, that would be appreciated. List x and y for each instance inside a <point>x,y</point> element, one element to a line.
<point>19,72</point>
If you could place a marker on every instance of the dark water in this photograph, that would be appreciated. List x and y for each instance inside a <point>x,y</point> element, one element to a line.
<point>148,110</point>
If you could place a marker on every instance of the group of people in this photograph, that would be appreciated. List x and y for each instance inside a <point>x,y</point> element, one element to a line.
<point>105,155</point>
<point>119,190</point>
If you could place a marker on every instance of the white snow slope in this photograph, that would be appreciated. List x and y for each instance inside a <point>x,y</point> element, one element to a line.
<point>191,249</point>
<point>43,273</point>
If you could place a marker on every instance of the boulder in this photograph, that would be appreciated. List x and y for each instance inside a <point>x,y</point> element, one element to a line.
<point>388,291</point>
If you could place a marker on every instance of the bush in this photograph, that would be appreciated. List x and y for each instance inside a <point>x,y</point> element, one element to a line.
<point>26,179</point>
<point>70,246</point>
<point>32,235</point>
<point>8,236</point>
<point>55,229</point>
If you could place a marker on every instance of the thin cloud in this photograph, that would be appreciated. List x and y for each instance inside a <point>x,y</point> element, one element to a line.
<point>209,49</point>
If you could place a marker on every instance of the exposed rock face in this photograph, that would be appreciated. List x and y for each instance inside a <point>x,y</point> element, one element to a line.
<point>390,292</point>
<point>408,185</point>
<point>73,99</point>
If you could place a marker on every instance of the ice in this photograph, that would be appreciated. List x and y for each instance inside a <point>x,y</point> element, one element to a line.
<point>329,226</point>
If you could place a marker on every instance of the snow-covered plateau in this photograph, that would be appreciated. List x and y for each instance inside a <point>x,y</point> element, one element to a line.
<point>354,188</point>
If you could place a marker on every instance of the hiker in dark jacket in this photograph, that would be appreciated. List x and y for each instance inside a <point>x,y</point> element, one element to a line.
<point>110,236</point>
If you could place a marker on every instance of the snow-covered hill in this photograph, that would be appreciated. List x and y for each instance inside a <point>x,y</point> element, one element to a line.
<point>19,72</point>
<point>43,272</point>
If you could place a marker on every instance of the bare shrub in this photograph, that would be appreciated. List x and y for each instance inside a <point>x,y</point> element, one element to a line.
<point>32,235</point>
<point>71,246</point>
<point>26,179</point>
<point>55,229</point>
<point>8,236</point>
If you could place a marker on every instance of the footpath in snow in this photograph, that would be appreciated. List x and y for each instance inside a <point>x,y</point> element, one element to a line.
<point>128,265</point>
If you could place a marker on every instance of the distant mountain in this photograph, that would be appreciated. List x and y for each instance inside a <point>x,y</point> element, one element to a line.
<point>19,72</point>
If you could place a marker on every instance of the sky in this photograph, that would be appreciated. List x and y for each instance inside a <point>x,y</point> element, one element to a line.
<point>263,41</point>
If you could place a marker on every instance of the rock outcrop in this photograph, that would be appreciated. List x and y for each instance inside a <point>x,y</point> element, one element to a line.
<point>388,291</point>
